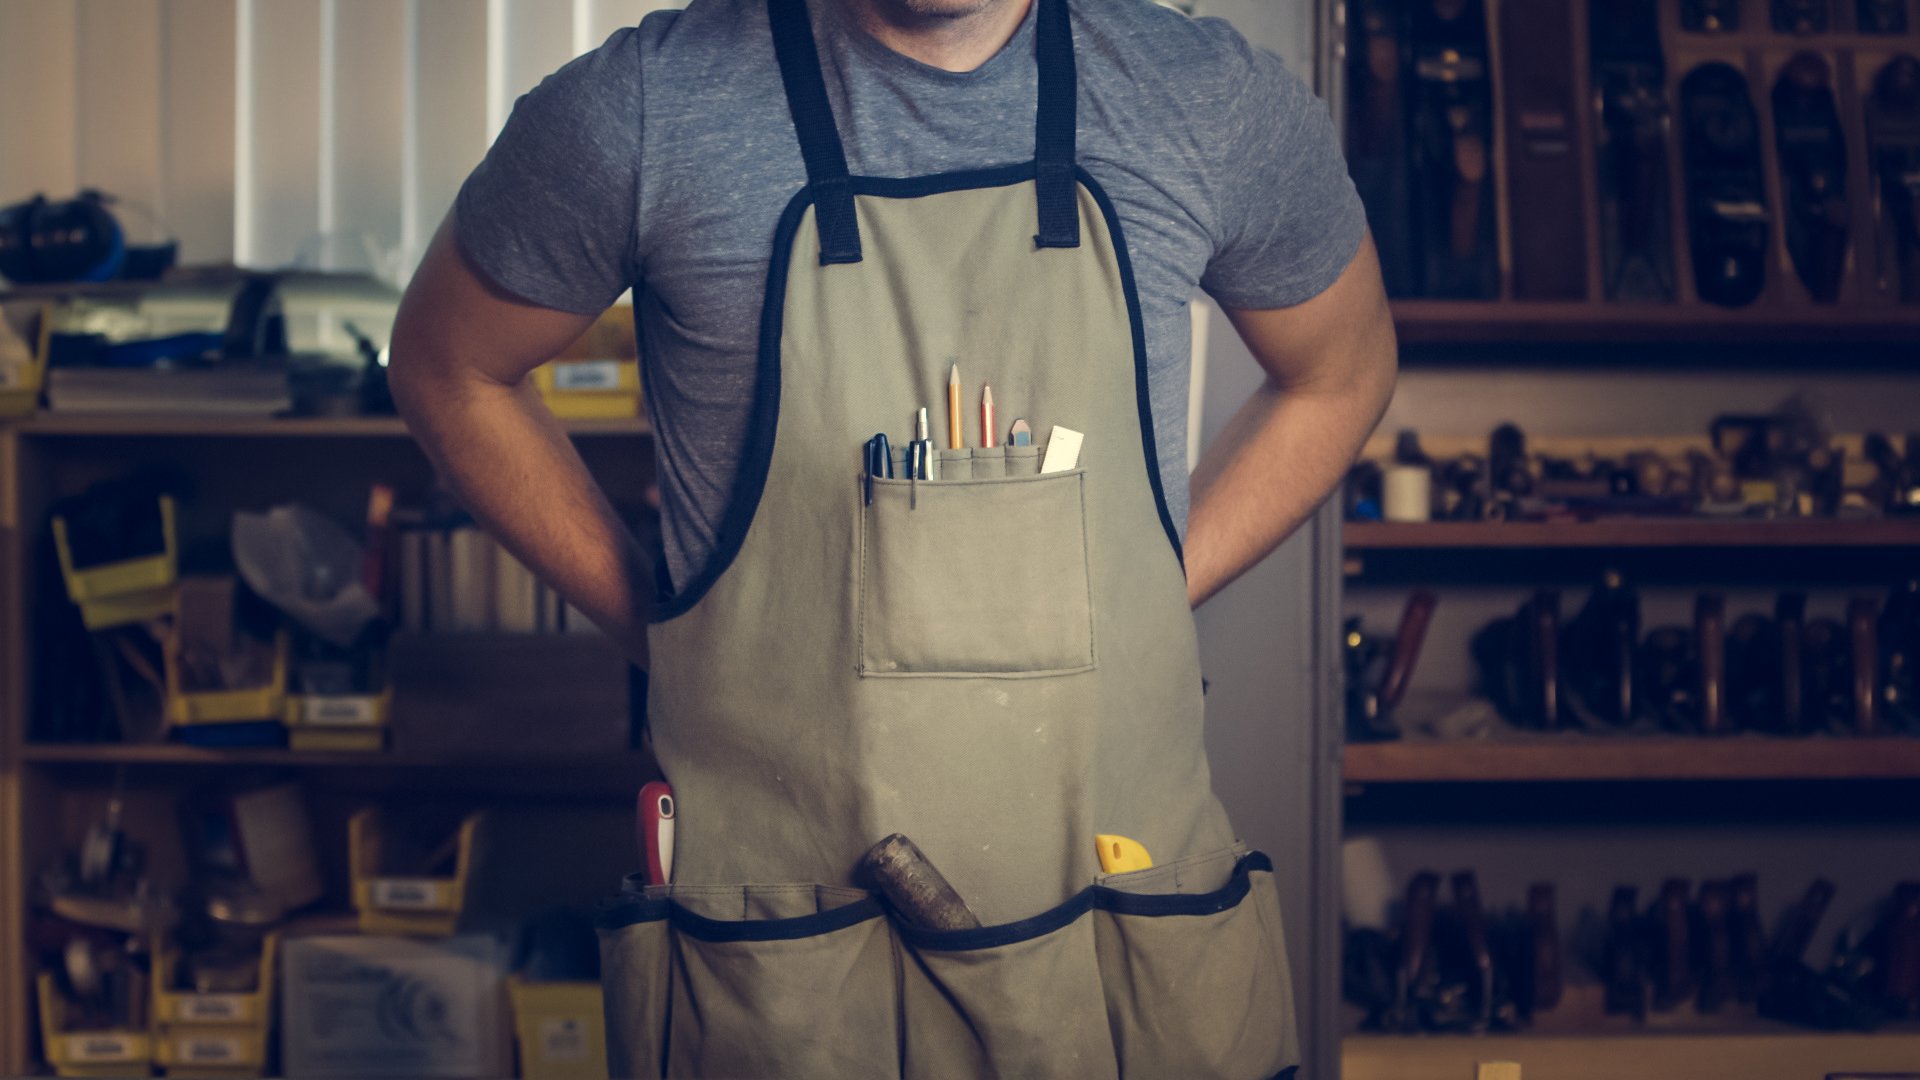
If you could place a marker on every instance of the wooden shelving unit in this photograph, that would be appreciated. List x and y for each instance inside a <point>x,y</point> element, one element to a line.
<point>140,425</point>
<point>1363,536</point>
<point>1767,1051</point>
<point>1400,788</point>
<point>1552,757</point>
<point>163,754</point>
<point>1520,322</point>
<point>49,789</point>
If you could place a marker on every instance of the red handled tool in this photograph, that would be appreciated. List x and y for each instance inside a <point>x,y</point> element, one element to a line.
<point>656,831</point>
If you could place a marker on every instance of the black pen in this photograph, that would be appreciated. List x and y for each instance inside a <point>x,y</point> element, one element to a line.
<point>879,461</point>
<point>922,450</point>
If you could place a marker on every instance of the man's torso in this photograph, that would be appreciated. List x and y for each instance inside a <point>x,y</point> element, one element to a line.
<point>719,162</point>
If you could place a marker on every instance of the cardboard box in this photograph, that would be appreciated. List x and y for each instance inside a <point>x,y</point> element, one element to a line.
<point>371,1005</point>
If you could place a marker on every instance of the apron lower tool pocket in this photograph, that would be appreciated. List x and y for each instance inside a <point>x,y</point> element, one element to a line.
<point>979,1005</point>
<point>1177,971</point>
<point>1197,982</point>
<point>757,980</point>
<point>980,572</point>
<point>1168,981</point>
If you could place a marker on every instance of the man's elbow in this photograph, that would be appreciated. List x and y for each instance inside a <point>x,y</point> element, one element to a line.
<point>411,369</point>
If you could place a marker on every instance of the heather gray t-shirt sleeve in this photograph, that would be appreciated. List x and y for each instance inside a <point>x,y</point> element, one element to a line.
<point>549,215</point>
<point>1286,220</point>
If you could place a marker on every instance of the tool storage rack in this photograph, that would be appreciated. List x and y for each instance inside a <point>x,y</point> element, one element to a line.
<point>1448,805</point>
<point>49,791</point>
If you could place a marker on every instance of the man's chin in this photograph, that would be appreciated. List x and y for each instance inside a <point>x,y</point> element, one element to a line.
<point>939,9</point>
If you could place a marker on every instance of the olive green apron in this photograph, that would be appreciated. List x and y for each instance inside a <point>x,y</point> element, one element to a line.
<point>998,663</point>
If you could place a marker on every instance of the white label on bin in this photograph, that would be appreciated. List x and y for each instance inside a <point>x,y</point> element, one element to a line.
<point>586,375</point>
<point>201,1050</point>
<point>100,1047</point>
<point>410,894</point>
<point>355,710</point>
<point>214,1007</point>
<point>563,1039</point>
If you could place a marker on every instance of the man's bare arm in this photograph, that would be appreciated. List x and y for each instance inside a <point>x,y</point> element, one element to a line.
<point>1330,365</point>
<point>462,350</point>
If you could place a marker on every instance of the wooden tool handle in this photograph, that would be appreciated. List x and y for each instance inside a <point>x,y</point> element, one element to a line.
<point>1547,983</point>
<point>1676,957</point>
<point>1716,976</point>
<point>1544,619</point>
<point>1902,955</point>
<point>1416,940</point>
<point>917,890</point>
<point>1710,639</point>
<point>1790,618</point>
<point>1473,921</point>
<point>1414,620</point>
<point>1747,937</point>
<point>1796,931</point>
<point>1864,644</point>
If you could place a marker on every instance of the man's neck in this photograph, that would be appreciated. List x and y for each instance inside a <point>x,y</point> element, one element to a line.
<point>955,35</point>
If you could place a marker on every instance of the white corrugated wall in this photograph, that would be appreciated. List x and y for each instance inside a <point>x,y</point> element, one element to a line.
<point>249,127</point>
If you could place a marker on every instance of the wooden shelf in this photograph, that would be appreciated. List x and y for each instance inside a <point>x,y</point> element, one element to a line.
<point>180,754</point>
<point>1514,322</point>
<point>1768,1055</point>
<point>1524,758</point>
<point>1361,536</point>
<point>168,425</point>
<point>614,775</point>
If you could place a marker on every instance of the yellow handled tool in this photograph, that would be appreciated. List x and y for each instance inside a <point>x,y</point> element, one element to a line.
<point>1119,854</point>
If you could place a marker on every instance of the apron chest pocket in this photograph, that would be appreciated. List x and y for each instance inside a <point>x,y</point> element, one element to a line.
<point>982,572</point>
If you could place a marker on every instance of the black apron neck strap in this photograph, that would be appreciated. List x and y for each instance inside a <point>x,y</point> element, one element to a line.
<point>827,176</point>
<point>1054,127</point>
<point>813,123</point>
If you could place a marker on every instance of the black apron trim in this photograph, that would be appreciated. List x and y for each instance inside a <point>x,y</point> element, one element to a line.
<point>1154,905</point>
<point>629,909</point>
<point>756,459</point>
<point>991,937</point>
<point>1055,116</point>
<point>702,928</point>
<point>1054,119</point>
<point>1142,395</point>
<point>813,124</point>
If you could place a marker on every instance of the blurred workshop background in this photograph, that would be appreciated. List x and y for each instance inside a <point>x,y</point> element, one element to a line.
<point>1583,726</point>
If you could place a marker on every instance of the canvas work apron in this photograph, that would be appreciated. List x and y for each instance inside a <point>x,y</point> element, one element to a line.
<point>998,663</point>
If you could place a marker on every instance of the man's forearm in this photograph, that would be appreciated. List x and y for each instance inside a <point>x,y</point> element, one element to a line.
<point>514,468</point>
<point>1279,457</point>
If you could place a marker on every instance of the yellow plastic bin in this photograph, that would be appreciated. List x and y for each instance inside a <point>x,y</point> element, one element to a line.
<point>590,389</point>
<point>20,394</point>
<point>128,591</point>
<point>267,702</point>
<point>250,1009</point>
<point>112,1052</point>
<point>424,905</point>
<point>193,1050</point>
<point>560,1028</point>
<point>339,722</point>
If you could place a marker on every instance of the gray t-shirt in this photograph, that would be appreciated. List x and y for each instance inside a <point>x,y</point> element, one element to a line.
<point>662,161</point>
